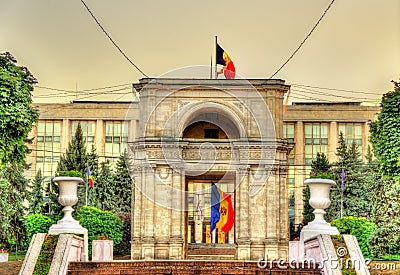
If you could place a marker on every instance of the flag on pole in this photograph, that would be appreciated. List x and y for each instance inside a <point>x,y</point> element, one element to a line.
<point>90,179</point>
<point>343,176</point>
<point>222,214</point>
<point>223,59</point>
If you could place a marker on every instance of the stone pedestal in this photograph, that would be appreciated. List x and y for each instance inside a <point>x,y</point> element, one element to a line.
<point>102,250</point>
<point>68,197</point>
<point>3,257</point>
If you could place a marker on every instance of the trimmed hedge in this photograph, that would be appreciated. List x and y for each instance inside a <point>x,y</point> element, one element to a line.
<point>100,223</point>
<point>37,223</point>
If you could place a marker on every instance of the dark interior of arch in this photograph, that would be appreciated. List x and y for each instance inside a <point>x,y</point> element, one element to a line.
<point>211,126</point>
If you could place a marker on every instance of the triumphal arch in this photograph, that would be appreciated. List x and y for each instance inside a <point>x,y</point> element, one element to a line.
<point>193,133</point>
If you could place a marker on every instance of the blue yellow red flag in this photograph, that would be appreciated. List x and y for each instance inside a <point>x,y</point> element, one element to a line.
<point>222,213</point>
<point>223,59</point>
<point>90,179</point>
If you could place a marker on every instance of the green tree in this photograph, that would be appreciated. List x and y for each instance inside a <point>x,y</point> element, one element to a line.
<point>104,188</point>
<point>122,184</point>
<point>356,190</point>
<point>93,164</point>
<point>319,166</point>
<point>36,194</point>
<point>385,139</point>
<point>13,186</point>
<point>16,113</point>
<point>74,159</point>
<point>385,238</point>
<point>385,133</point>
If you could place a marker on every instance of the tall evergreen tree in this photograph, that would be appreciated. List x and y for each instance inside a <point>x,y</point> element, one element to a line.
<point>123,184</point>
<point>93,165</point>
<point>319,166</point>
<point>36,195</point>
<point>74,159</point>
<point>353,198</point>
<point>104,189</point>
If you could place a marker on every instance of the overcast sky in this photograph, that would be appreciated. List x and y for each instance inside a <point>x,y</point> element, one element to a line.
<point>356,46</point>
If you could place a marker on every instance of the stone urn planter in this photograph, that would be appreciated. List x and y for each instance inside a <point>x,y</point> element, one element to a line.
<point>102,250</point>
<point>67,197</point>
<point>319,200</point>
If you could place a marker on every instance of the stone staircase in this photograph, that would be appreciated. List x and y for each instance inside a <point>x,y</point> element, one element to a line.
<point>186,267</point>
<point>211,252</point>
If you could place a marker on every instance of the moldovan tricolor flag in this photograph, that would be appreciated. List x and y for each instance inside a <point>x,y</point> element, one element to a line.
<point>90,179</point>
<point>222,214</point>
<point>223,59</point>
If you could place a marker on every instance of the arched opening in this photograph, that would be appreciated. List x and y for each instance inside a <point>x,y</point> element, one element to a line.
<point>211,126</point>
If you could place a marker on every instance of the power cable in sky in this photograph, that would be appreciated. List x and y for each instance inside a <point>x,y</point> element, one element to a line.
<point>305,39</point>
<point>112,41</point>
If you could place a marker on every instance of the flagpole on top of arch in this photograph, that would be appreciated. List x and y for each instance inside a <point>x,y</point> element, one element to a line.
<point>216,46</point>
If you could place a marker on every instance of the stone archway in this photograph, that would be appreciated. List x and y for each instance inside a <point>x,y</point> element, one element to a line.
<point>174,146</point>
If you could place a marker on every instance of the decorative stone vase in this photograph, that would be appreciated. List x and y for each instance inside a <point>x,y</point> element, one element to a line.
<point>3,257</point>
<point>68,197</point>
<point>102,250</point>
<point>319,199</point>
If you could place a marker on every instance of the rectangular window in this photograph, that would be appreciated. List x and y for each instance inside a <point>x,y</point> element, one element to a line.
<point>352,132</point>
<point>211,133</point>
<point>48,146</point>
<point>88,131</point>
<point>288,132</point>
<point>116,139</point>
<point>315,139</point>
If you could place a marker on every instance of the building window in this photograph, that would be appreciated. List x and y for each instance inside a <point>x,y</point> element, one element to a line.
<point>116,139</point>
<point>288,132</point>
<point>48,146</point>
<point>316,140</point>
<point>352,132</point>
<point>88,131</point>
<point>211,133</point>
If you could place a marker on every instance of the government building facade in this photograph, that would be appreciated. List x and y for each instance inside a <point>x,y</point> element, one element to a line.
<point>182,135</point>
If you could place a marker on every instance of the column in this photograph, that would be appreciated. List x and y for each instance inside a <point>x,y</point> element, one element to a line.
<point>137,206</point>
<point>242,225</point>
<point>333,139</point>
<point>299,161</point>
<point>177,214</point>
<point>65,135</point>
<point>148,214</point>
<point>100,138</point>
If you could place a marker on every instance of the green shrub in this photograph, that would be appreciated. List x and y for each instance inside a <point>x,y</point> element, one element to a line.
<point>360,228</point>
<point>100,223</point>
<point>37,223</point>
